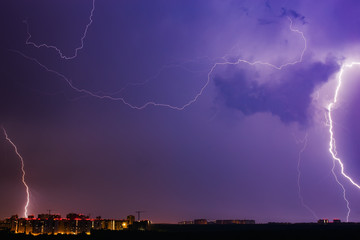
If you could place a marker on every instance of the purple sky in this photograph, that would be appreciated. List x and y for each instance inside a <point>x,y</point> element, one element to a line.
<point>232,153</point>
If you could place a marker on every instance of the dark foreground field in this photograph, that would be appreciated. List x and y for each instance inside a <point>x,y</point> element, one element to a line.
<point>187,232</point>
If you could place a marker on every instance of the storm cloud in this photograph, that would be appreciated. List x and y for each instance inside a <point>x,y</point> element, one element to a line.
<point>286,93</point>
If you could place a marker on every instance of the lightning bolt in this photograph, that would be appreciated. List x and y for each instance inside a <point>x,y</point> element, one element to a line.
<point>110,97</point>
<point>152,103</point>
<point>330,107</point>
<point>332,141</point>
<point>304,143</point>
<point>28,42</point>
<point>344,192</point>
<point>223,61</point>
<point>280,67</point>
<point>23,173</point>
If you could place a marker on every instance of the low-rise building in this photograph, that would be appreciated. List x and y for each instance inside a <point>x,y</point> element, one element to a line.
<point>72,224</point>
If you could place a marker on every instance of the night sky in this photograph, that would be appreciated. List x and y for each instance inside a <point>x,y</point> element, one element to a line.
<point>118,106</point>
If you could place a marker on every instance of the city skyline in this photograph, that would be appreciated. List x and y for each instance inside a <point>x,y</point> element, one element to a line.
<point>181,109</point>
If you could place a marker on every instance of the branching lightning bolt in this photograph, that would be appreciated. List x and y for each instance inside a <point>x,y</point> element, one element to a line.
<point>152,103</point>
<point>304,143</point>
<point>280,67</point>
<point>330,107</point>
<point>332,142</point>
<point>44,45</point>
<point>23,173</point>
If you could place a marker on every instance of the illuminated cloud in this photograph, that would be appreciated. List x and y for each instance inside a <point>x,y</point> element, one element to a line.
<point>285,93</point>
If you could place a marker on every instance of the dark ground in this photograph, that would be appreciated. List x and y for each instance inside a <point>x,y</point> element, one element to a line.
<point>187,232</point>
